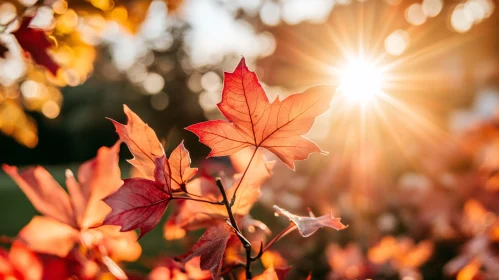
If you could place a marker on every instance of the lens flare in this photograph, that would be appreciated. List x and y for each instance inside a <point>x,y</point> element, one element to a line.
<point>361,81</point>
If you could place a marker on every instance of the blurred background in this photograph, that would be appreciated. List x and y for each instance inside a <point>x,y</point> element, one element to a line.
<point>412,131</point>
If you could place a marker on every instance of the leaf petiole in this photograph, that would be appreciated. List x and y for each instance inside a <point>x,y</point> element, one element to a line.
<point>196,199</point>
<point>233,199</point>
<point>283,233</point>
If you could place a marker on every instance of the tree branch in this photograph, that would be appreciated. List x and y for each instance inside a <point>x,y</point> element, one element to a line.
<point>244,241</point>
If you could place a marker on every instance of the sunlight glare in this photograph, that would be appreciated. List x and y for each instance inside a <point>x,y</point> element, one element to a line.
<point>361,81</point>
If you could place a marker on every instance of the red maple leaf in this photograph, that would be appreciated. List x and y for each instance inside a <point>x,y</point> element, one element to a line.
<point>211,248</point>
<point>34,42</point>
<point>253,121</point>
<point>141,202</point>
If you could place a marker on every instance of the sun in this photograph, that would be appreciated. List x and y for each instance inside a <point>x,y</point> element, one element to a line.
<point>360,81</point>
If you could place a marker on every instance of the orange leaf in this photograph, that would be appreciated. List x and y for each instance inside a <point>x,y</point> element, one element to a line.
<point>46,195</point>
<point>149,156</point>
<point>180,166</point>
<point>67,218</point>
<point>142,142</point>
<point>46,235</point>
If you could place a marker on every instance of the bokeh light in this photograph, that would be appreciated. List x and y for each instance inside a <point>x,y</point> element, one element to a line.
<point>431,8</point>
<point>209,100</point>
<point>7,12</point>
<point>415,14</point>
<point>461,20</point>
<point>51,109</point>
<point>270,13</point>
<point>397,42</point>
<point>153,83</point>
<point>210,81</point>
<point>160,101</point>
<point>67,22</point>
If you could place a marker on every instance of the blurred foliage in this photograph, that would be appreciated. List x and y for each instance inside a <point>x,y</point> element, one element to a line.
<point>415,175</point>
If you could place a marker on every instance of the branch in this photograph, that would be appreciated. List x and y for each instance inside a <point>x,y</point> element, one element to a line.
<point>260,253</point>
<point>233,224</point>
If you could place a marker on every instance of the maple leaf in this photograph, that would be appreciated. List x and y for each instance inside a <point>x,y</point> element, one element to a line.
<point>211,248</point>
<point>309,225</point>
<point>120,246</point>
<point>46,195</point>
<point>149,156</point>
<point>180,166</point>
<point>34,42</point>
<point>138,203</point>
<point>141,202</point>
<point>67,217</point>
<point>141,141</point>
<point>253,121</point>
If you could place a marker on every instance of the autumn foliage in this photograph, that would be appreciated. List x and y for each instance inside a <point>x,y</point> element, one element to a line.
<point>95,221</point>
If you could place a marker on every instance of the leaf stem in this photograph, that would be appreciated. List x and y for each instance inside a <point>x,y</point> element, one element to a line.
<point>244,241</point>
<point>283,233</point>
<point>195,199</point>
<point>233,199</point>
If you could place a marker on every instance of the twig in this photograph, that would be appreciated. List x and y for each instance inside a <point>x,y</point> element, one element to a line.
<point>260,253</point>
<point>244,241</point>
